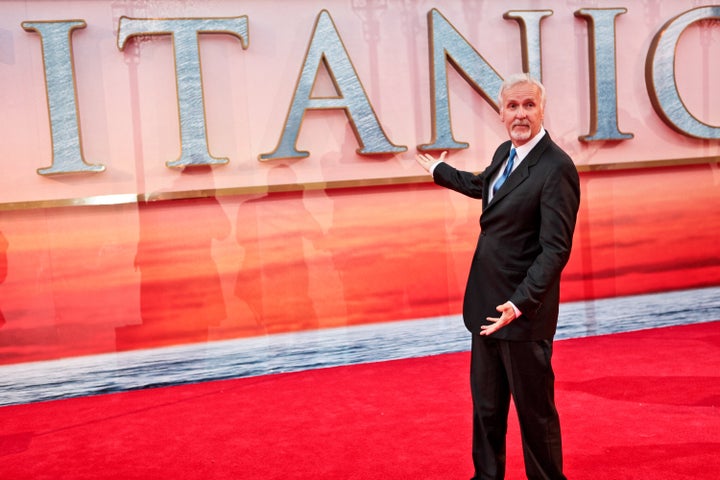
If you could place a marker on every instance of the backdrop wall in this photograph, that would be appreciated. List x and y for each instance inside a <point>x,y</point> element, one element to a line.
<point>200,190</point>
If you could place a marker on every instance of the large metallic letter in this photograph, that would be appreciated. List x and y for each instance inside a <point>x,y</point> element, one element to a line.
<point>327,47</point>
<point>529,21</point>
<point>660,75</point>
<point>603,83</point>
<point>67,154</point>
<point>446,42</point>
<point>191,106</point>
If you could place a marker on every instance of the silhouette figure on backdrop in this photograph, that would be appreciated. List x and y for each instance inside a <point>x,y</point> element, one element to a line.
<point>379,284</point>
<point>3,268</point>
<point>530,195</point>
<point>274,280</point>
<point>180,290</point>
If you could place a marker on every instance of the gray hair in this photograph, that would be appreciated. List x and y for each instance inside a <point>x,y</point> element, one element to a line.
<point>517,78</point>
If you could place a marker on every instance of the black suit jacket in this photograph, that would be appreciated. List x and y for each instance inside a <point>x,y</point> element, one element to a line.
<point>525,240</point>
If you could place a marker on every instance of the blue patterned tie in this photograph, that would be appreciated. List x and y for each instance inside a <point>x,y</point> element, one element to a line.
<point>506,172</point>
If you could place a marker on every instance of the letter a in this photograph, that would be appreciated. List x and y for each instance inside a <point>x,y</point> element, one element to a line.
<point>327,47</point>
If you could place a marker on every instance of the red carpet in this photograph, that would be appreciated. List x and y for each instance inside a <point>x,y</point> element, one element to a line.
<point>634,406</point>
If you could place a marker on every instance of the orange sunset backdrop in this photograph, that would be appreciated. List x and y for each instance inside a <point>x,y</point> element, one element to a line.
<point>86,280</point>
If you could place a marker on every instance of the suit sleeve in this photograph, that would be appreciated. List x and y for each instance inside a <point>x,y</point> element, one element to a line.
<point>559,203</point>
<point>467,183</point>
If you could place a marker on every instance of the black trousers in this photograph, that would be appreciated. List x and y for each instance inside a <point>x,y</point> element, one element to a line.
<point>499,369</point>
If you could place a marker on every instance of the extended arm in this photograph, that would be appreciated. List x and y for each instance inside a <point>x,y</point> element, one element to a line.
<point>447,176</point>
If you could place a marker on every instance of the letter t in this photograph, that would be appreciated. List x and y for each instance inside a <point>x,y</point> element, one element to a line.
<point>193,136</point>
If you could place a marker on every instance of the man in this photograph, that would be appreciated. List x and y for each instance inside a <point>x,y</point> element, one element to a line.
<point>530,194</point>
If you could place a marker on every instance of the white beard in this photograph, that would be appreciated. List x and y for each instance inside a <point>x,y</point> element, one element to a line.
<point>520,135</point>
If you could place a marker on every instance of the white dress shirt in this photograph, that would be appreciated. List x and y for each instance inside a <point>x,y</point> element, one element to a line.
<point>520,153</point>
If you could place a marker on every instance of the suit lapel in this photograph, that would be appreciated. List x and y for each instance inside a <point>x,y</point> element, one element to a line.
<point>500,155</point>
<point>520,174</point>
